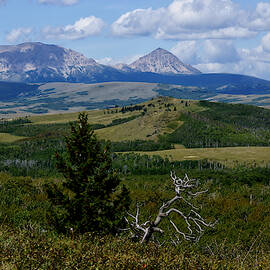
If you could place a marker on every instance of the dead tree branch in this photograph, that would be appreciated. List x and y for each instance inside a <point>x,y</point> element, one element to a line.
<point>195,223</point>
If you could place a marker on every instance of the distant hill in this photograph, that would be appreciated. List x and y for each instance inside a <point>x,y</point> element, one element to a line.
<point>23,99</point>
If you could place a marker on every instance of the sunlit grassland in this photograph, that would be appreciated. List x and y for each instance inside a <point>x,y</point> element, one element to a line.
<point>94,117</point>
<point>229,156</point>
<point>156,121</point>
<point>8,138</point>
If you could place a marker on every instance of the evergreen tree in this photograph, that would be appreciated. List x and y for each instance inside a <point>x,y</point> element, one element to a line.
<point>90,200</point>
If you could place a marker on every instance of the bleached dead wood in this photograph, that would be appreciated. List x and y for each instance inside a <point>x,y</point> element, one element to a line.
<point>195,223</point>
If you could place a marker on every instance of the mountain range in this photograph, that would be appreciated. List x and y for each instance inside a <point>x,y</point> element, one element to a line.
<point>37,76</point>
<point>37,62</point>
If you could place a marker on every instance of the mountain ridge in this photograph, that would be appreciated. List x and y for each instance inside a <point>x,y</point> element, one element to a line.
<point>39,62</point>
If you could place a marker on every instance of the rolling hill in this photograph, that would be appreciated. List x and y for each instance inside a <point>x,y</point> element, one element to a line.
<point>19,99</point>
<point>173,128</point>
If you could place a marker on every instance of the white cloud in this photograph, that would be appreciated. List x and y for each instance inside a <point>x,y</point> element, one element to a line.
<point>82,28</point>
<point>260,19</point>
<point>138,22</point>
<point>202,14</point>
<point>206,52</point>
<point>118,61</point>
<point>266,42</point>
<point>59,2</point>
<point>214,57</point>
<point>251,68</point>
<point>223,33</point>
<point>187,51</point>
<point>19,34</point>
<point>220,51</point>
<point>106,61</point>
<point>186,20</point>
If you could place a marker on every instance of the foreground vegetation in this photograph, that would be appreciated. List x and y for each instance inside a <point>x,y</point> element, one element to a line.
<point>238,196</point>
<point>29,250</point>
<point>238,199</point>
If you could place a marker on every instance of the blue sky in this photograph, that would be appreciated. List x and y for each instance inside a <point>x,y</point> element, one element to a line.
<point>213,35</point>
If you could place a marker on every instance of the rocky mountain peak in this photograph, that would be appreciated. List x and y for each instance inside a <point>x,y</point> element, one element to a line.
<point>17,61</point>
<point>162,61</point>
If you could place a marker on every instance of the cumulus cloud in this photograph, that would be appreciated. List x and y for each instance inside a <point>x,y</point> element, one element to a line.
<point>138,22</point>
<point>245,66</point>
<point>186,20</point>
<point>19,34</point>
<point>223,33</point>
<point>222,56</point>
<point>199,15</point>
<point>260,19</point>
<point>206,52</point>
<point>206,31</point>
<point>82,28</point>
<point>59,2</point>
<point>266,42</point>
<point>187,51</point>
<point>119,61</point>
<point>220,51</point>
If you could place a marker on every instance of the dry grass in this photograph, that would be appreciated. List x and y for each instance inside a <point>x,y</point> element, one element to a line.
<point>229,156</point>
<point>158,120</point>
<point>8,138</point>
<point>94,117</point>
<point>155,122</point>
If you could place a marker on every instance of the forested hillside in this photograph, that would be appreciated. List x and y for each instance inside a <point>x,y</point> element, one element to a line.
<point>221,125</point>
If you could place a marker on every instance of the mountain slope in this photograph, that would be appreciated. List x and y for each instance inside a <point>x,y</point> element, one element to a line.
<point>38,62</point>
<point>163,62</point>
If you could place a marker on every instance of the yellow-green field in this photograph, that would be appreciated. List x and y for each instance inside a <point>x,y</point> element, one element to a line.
<point>8,138</point>
<point>156,121</point>
<point>94,117</point>
<point>229,156</point>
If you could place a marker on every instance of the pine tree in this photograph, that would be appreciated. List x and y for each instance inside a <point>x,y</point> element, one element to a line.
<point>91,200</point>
